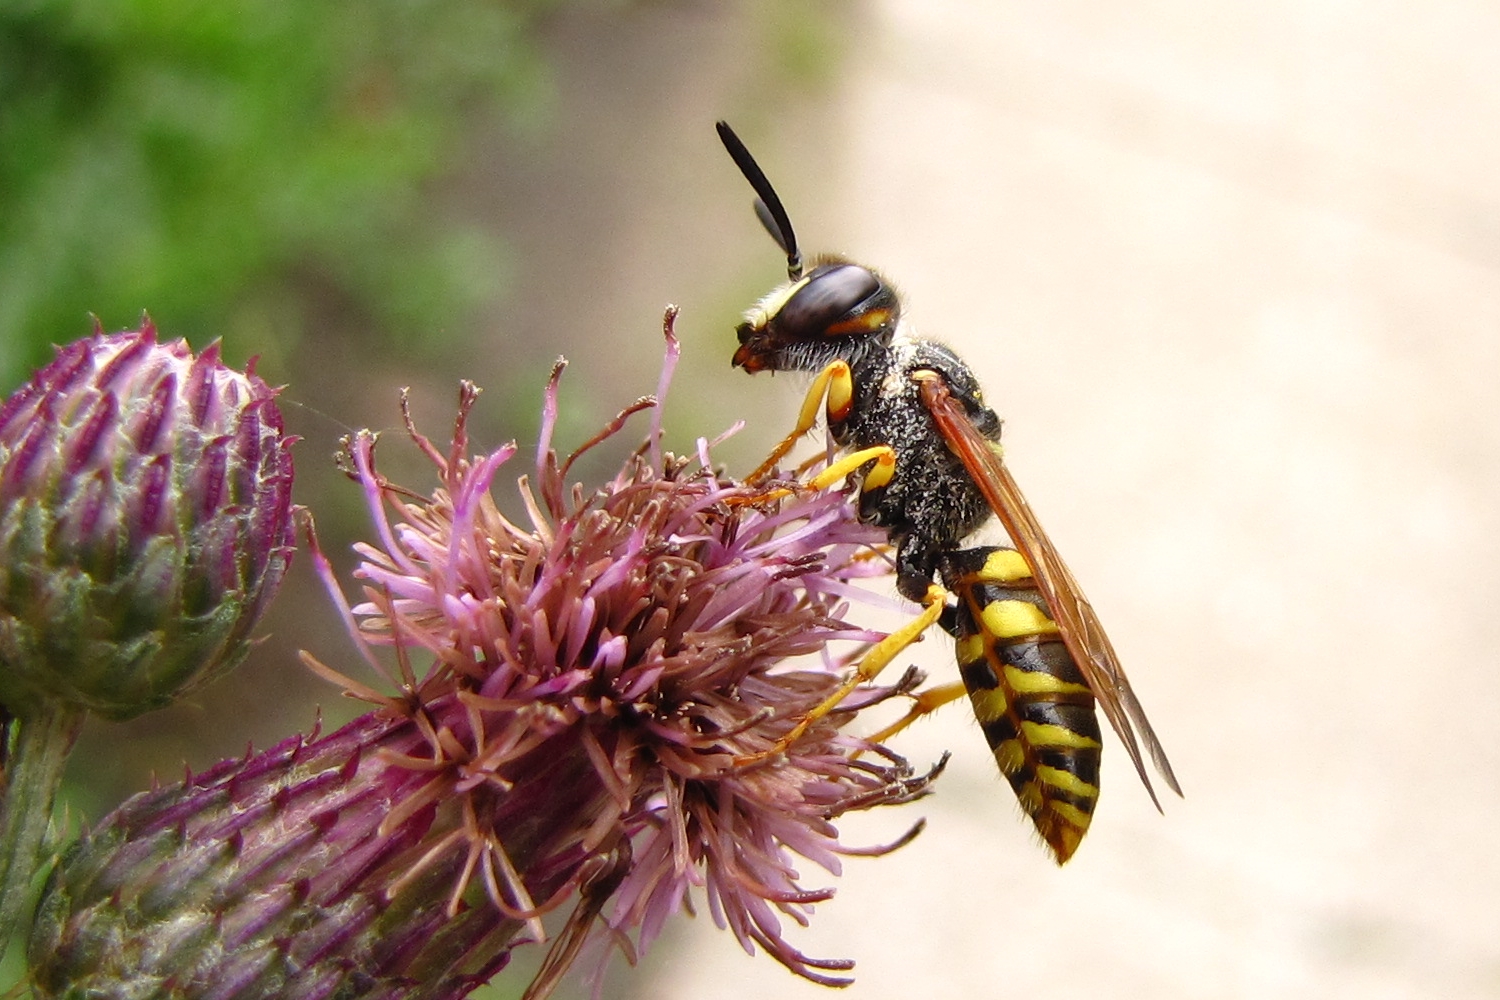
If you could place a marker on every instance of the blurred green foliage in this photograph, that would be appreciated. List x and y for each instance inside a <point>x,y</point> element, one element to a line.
<point>233,166</point>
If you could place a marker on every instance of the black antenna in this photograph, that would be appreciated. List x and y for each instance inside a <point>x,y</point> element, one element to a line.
<point>767,206</point>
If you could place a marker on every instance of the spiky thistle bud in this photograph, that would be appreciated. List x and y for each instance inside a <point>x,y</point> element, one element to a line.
<point>580,702</point>
<point>145,522</point>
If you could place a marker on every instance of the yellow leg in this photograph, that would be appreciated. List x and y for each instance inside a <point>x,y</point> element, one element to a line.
<point>923,703</point>
<point>837,384</point>
<point>882,455</point>
<point>869,667</point>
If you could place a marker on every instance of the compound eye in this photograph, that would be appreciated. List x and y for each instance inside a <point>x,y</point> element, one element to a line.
<point>830,295</point>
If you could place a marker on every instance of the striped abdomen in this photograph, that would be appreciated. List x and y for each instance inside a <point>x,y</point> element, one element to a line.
<point>1035,708</point>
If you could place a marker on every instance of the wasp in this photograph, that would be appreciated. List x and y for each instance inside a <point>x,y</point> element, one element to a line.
<point>915,433</point>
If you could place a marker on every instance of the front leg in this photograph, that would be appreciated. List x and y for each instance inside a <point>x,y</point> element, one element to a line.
<point>836,383</point>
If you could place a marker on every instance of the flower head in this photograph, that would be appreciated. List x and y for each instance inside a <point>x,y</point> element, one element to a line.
<point>145,522</point>
<point>575,700</point>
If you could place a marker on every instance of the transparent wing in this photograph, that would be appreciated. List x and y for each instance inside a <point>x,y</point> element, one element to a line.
<point>1078,624</point>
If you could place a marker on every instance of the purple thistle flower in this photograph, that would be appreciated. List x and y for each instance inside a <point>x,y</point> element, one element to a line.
<point>575,701</point>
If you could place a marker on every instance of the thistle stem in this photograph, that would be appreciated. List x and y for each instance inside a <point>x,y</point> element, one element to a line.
<point>37,748</point>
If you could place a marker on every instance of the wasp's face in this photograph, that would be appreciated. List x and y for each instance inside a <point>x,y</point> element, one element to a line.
<point>834,310</point>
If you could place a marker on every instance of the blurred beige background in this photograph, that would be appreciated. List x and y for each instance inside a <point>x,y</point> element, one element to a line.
<point>1231,273</point>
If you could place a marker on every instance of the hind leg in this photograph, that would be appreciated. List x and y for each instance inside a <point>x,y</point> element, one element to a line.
<point>869,667</point>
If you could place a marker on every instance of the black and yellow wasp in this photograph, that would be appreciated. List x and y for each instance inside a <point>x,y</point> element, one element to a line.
<point>911,420</point>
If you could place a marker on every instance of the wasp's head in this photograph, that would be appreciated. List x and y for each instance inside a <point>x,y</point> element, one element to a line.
<point>837,310</point>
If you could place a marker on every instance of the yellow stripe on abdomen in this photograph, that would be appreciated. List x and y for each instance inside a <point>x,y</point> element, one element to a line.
<point>1049,734</point>
<point>1013,619</point>
<point>1031,700</point>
